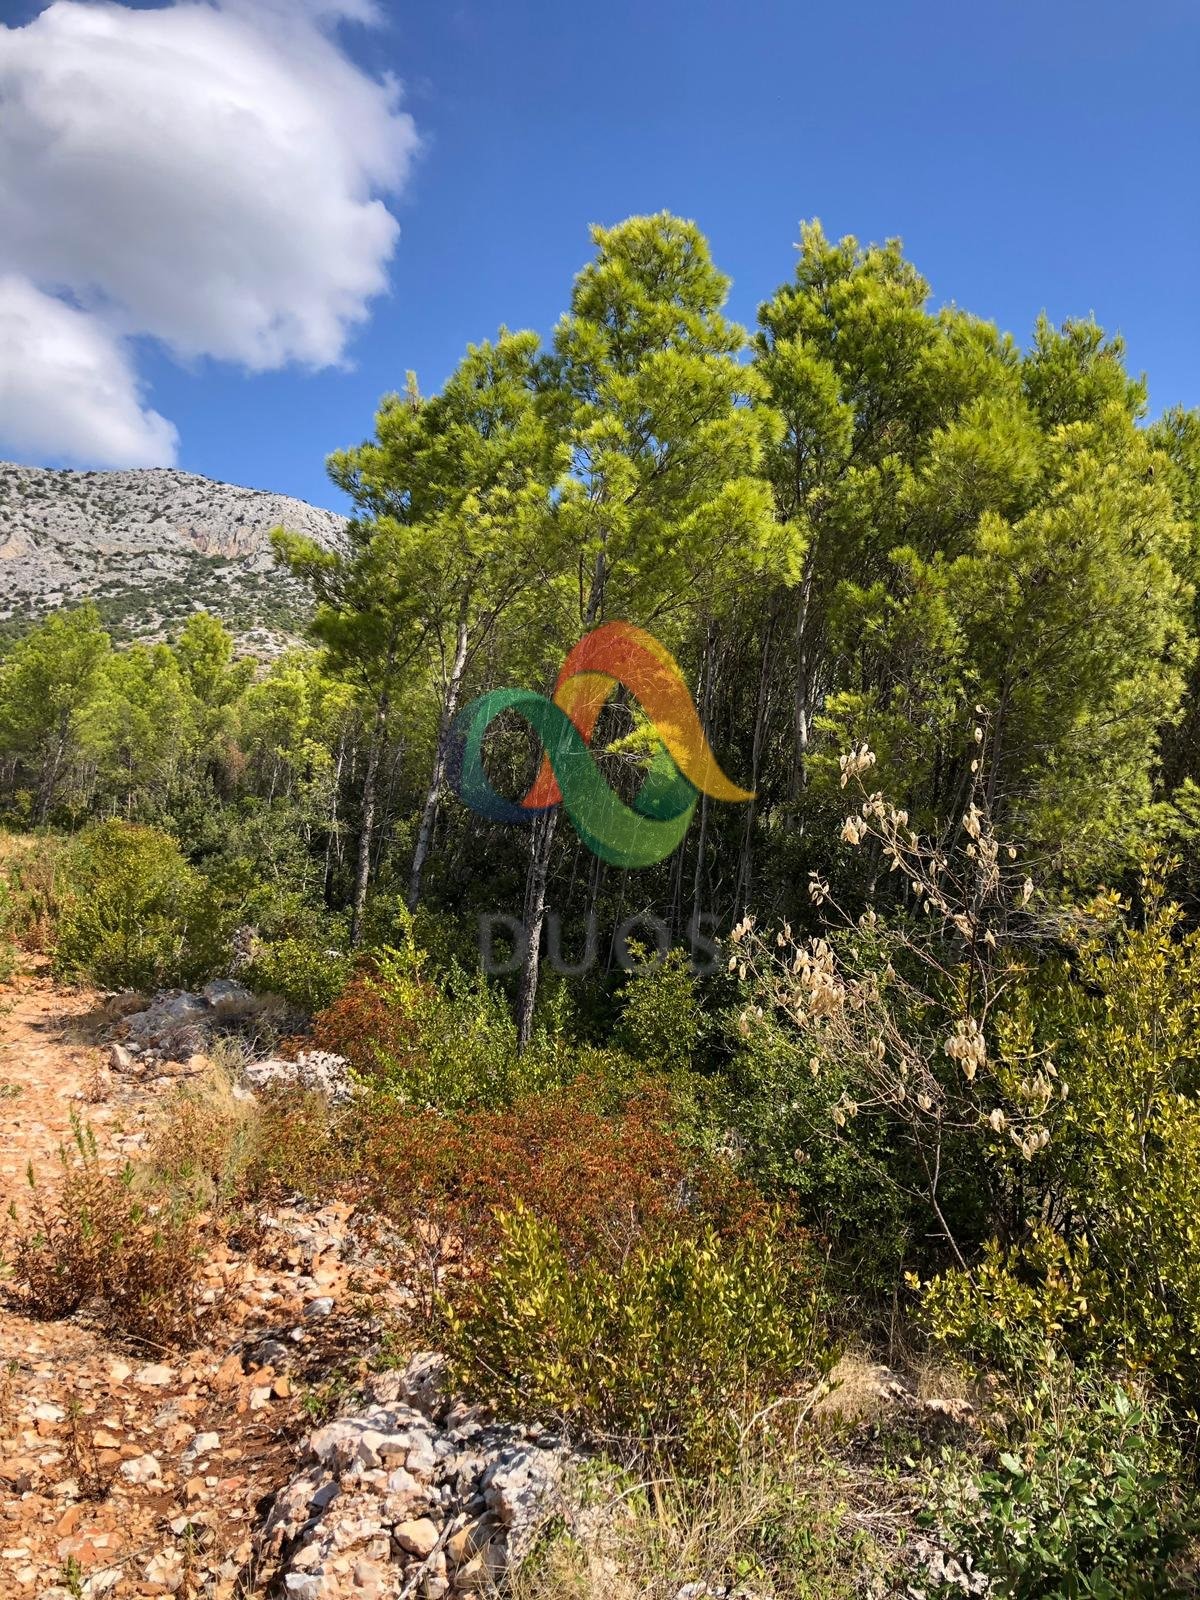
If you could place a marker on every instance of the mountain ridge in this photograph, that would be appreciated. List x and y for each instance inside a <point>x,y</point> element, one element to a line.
<point>150,545</point>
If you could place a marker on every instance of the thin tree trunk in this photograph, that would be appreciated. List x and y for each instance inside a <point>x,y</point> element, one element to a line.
<point>702,840</point>
<point>746,863</point>
<point>437,776</point>
<point>540,845</point>
<point>535,918</point>
<point>997,743</point>
<point>366,830</point>
<point>333,819</point>
<point>803,703</point>
<point>382,830</point>
<point>51,769</point>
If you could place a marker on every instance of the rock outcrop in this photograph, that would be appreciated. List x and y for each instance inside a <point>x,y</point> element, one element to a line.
<point>178,1024</point>
<point>415,1495</point>
<point>150,547</point>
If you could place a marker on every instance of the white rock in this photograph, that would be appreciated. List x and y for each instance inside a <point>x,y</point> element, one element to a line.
<point>143,1469</point>
<point>203,1444</point>
<point>153,1376</point>
<point>304,1586</point>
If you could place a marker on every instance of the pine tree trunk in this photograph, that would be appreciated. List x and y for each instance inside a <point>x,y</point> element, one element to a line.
<point>702,840</point>
<point>51,768</point>
<point>327,881</point>
<point>437,776</point>
<point>803,702</point>
<point>535,917</point>
<point>366,830</point>
<point>540,845</point>
<point>746,861</point>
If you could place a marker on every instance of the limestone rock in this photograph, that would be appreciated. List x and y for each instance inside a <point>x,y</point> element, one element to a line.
<point>159,543</point>
<point>312,1069</point>
<point>455,1500</point>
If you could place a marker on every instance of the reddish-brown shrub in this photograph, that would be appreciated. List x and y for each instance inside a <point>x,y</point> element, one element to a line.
<point>608,1181</point>
<point>371,1025</point>
<point>301,1144</point>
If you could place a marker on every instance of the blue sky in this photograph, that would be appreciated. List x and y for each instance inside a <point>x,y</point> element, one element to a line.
<point>1030,156</point>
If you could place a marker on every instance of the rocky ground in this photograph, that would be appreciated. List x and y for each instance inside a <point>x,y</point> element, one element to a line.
<point>292,1452</point>
<point>136,1471</point>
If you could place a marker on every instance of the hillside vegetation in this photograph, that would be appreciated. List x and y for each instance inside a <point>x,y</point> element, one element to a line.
<point>934,1102</point>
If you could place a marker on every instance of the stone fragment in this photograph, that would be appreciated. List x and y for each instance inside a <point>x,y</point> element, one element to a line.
<point>419,1536</point>
<point>142,1469</point>
<point>202,1444</point>
<point>154,1376</point>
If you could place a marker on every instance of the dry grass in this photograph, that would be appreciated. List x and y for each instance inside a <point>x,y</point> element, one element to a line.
<point>98,1240</point>
<point>856,1390</point>
<point>207,1138</point>
<point>8,1395</point>
<point>225,1148</point>
<point>29,867</point>
<point>772,1520</point>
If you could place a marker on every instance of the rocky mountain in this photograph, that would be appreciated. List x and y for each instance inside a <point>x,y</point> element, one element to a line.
<point>149,547</point>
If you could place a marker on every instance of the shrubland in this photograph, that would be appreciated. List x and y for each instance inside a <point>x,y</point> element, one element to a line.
<point>938,1102</point>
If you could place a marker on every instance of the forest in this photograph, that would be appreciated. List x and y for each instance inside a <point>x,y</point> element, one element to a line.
<point>937,1098</point>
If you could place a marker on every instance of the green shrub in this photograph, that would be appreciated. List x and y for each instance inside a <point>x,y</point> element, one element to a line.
<point>1019,1306</point>
<point>307,972</point>
<point>442,938</point>
<point>1104,1258</point>
<point>450,1044</point>
<point>670,1348</point>
<point>258,857</point>
<point>134,913</point>
<point>852,1182</point>
<point>661,1019</point>
<point>1082,1501</point>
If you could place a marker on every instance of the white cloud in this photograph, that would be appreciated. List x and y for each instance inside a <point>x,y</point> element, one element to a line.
<point>211,174</point>
<point>67,389</point>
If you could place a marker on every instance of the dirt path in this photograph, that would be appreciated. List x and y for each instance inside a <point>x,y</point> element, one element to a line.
<point>132,1470</point>
<point>44,1076</point>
